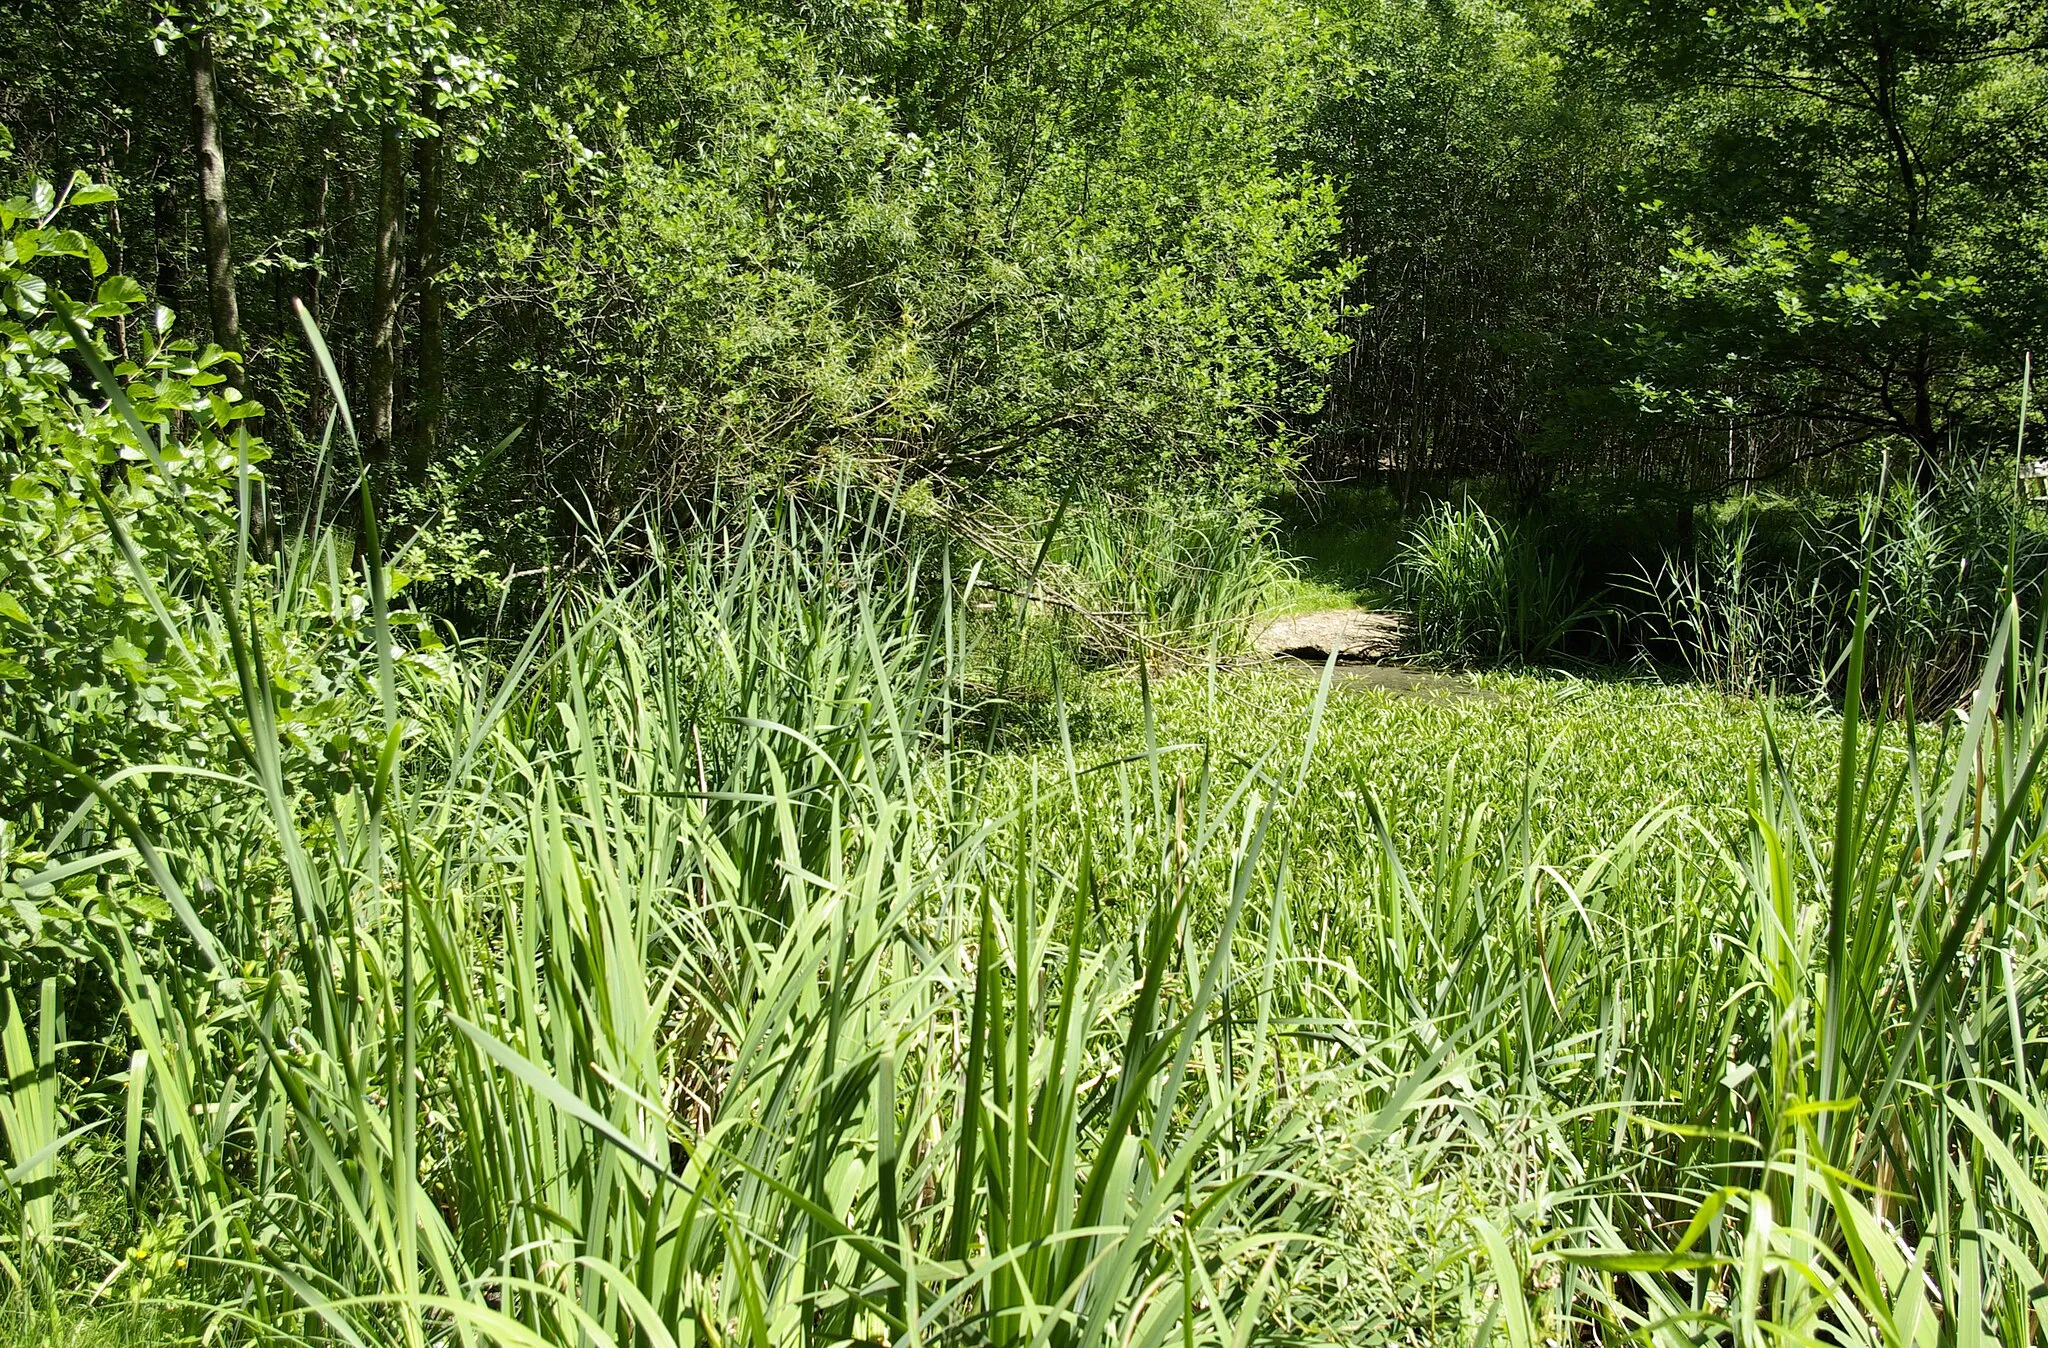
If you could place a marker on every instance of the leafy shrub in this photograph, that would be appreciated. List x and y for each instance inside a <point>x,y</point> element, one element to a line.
<point>129,627</point>
<point>909,303</point>
<point>90,661</point>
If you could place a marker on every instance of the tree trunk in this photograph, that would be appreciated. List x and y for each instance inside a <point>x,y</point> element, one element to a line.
<point>168,232</point>
<point>316,215</point>
<point>426,423</point>
<point>384,295</point>
<point>1925,433</point>
<point>213,198</point>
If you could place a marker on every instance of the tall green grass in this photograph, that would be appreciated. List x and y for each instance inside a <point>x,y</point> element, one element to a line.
<point>1192,572</point>
<point>1171,580</point>
<point>1768,596</point>
<point>661,982</point>
<point>1755,1057</point>
<point>1488,590</point>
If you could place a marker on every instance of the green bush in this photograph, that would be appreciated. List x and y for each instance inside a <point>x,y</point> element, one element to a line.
<point>915,299</point>
<point>129,474</point>
<point>91,657</point>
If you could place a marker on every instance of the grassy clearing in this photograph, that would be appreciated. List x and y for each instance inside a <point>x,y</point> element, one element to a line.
<point>1588,757</point>
<point>1344,541</point>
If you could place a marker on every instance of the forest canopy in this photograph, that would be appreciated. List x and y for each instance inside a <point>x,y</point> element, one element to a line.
<point>627,251</point>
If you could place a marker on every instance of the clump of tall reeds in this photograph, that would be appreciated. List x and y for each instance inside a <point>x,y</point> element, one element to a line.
<point>1487,590</point>
<point>1193,573</point>
<point>1170,580</point>
<point>1765,600</point>
<point>1868,1166</point>
<point>662,983</point>
<point>1786,1088</point>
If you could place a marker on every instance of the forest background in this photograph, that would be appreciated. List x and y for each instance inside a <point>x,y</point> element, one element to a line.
<point>571,259</point>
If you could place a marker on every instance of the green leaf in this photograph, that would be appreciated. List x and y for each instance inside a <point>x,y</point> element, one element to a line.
<point>10,607</point>
<point>65,243</point>
<point>1642,1262</point>
<point>1507,1273</point>
<point>120,290</point>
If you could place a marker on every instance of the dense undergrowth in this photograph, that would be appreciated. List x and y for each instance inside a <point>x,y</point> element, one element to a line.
<point>767,947</point>
<point>1756,601</point>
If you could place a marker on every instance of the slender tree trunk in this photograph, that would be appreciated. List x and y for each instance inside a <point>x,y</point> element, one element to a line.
<point>213,197</point>
<point>225,313</point>
<point>1927,463</point>
<point>168,233</point>
<point>426,423</point>
<point>316,212</point>
<point>385,294</point>
<point>1926,437</point>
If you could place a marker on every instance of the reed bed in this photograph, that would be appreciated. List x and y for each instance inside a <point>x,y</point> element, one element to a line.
<point>707,968</point>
